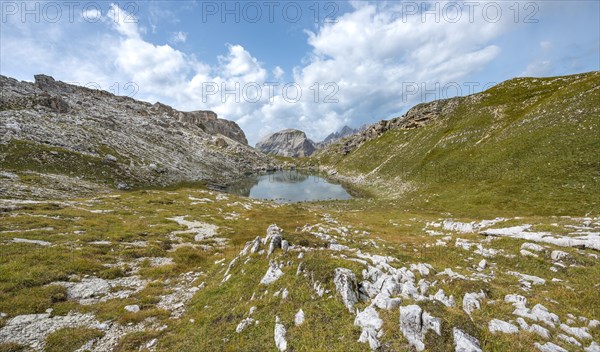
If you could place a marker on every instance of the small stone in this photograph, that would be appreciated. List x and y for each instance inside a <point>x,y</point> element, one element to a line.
<point>299,318</point>
<point>272,275</point>
<point>134,308</point>
<point>593,347</point>
<point>558,255</point>
<point>497,325</point>
<point>472,301</point>
<point>543,332</point>
<point>109,159</point>
<point>569,339</point>
<point>532,247</point>
<point>482,264</point>
<point>244,324</point>
<point>527,253</point>
<point>123,186</point>
<point>279,335</point>
<point>549,347</point>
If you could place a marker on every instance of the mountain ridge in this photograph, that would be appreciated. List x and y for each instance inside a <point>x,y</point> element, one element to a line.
<point>54,127</point>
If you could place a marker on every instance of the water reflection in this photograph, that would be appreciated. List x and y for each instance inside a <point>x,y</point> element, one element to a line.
<point>289,186</point>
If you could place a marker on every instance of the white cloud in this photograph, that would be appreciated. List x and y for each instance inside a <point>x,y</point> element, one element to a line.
<point>372,53</point>
<point>538,69</point>
<point>91,14</point>
<point>125,23</point>
<point>363,61</point>
<point>178,37</point>
<point>278,72</point>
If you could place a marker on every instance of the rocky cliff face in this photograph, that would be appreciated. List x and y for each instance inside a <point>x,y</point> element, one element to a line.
<point>80,134</point>
<point>418,116</point>
<point>206,120</point>
<point>290,143</point>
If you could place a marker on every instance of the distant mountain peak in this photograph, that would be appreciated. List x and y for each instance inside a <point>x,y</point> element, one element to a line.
<point>288,142</point>
<point>341,133</point>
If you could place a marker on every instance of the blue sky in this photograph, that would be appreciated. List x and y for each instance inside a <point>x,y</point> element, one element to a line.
<point>367,60</point>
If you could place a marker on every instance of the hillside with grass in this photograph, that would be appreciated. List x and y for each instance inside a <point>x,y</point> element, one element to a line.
<point>527,145</point>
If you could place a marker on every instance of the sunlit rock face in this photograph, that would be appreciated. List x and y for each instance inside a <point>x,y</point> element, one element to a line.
<point>290,143</point>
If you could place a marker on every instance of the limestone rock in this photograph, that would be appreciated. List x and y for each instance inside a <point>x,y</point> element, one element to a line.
<point>272,275</point>
<point>299,318</point>
<point>537,313</point>
<point>290,143</point>
<point>345,284</point>
<point>593,347</point>
<point>24,240</point>
<point>440,296</point>
<point>414,324</point>
<point>558,255</point>
<point>464,342</point>
<point>472,301</point>
<point>549,347</point>
<point>581,333</point>
<point>532,247</point>
<point>482,264</point>
<point>497,325</point>
<point>419,115</point>
<point>246,322</point>
<point>371,326</point>
<point>279,335</point>
<point>134,308</point>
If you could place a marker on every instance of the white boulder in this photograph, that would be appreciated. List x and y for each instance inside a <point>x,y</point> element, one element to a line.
<point>279,335</point>
<point>345,283</point>
<point>497,325</point>
<point>464,342</point>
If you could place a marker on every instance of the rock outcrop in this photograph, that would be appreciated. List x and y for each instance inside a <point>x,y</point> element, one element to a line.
<point>418,116</point>
<point>345,284</point>
<point>54,128</point>
<point>289,142</point>
<point>415,323</point>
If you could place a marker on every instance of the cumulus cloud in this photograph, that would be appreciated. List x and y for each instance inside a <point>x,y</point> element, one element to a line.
<point>374,52</point>
<point>357,71</point>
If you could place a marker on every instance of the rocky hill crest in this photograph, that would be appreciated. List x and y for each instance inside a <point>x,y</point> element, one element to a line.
<point>79,134</point>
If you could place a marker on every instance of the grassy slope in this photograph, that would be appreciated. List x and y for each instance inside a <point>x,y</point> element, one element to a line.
<point>526,146</point>
<point>25,271</point>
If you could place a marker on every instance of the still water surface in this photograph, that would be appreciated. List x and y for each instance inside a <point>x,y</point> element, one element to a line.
<point>289,186</point>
